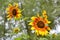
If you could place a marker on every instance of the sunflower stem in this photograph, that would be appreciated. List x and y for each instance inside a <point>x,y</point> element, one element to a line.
<point>5,20</point>
<point>26,23</point>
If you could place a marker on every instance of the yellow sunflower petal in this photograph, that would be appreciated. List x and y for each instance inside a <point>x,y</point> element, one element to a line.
<point>16,4</point>
<point>9,5</point>
<point>44,12</point>
<point>37,32</point>
<point>48,28</point>
<point>33,18</point>
<point>7,9</point>
<point>8,13</point>
<point>46,21</point>
<point>43,33</point>
<point>38,15</point>
<point>45,16</point>
<point>19,11</point>
<point>46,32</point>
<point>32,28</point>
<point>19,15</point>
<point>49,21</point>
<point>40,32</point>
<point>9,18</point>
<point>31,23</point>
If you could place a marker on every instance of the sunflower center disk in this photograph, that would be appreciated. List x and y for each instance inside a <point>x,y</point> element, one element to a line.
<point>40,24</point>
<point>16,30</point>
<point>14,12</point>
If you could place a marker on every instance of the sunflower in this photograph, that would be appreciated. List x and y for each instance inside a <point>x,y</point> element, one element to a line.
<point>16,30</point>
<point>40,25</point>
<point>13,11</point>
<point>54,35</point>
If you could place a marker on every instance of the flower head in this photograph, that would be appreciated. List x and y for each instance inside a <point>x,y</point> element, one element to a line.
<point>16,30</point>
<point>40,25</point>
<point>13,11</point>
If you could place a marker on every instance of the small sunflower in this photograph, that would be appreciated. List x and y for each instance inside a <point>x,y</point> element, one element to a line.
<point>54,35</point>
<point>16,30</point>
<point>13,11</point>
<point>40,25</point>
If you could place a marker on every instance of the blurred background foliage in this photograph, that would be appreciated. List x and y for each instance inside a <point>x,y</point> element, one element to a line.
<point>31,8</point>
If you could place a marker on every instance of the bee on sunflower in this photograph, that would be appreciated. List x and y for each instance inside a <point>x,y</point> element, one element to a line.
<point>13,11</point>
<point>40,24</point>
